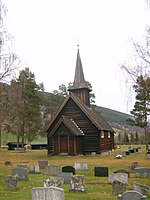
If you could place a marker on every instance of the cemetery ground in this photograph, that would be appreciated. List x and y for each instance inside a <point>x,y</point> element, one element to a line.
<point>98,188</point>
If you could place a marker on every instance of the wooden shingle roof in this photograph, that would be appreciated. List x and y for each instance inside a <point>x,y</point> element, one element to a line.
<point>92,114</point>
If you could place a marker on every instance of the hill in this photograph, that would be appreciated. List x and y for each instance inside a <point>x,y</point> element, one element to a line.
<point>113,116</point>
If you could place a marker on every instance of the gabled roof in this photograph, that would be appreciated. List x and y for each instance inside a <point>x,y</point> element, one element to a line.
<point>70,124</point>
<point>93,115</point>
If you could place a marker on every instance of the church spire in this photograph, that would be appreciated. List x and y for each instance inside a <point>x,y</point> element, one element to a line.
<point>80,87</point>
<point>79,75</point>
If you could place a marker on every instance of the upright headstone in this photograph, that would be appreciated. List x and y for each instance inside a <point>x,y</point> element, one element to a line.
<point>122,177</point>
<point>53,182</point>
<point>42,163</point>
<point>8,163</point>
<point>37,169</point>
<point>77,183</point>
<point>20,173</point>
<point>32,169</point>
<point>81,166</point>
<point>101,171</point>
<point>131,195</point>
<point>49,193</point>
<point>118,187</point>
<point>127,153</point>
<point>52,170</point>
<point>68,169</point>
<point>11,182</point>
<point>142,172</point>
<point>143,189</point>
<point>66,176</point>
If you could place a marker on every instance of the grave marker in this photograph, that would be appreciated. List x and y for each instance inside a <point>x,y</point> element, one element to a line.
<point>81,166</point>
<point>131,195</point>
<point>77,183</point>
<point>20,173</point>
<point>68,169</point>
<point>12,183</point>
<point>118,187</point>
<point>49,193</point>
<point>101,171</point>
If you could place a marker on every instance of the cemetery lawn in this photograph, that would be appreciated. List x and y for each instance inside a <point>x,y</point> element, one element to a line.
<point>98,188</point>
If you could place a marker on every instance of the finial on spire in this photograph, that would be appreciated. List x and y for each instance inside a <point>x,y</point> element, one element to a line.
<point>78,43</point>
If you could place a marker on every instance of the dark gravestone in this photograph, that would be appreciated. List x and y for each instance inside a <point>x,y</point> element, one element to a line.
<point>131,150</point>
<point>8,163</point>
<point>101,171</point>
<point>127,153</point>
<point>68,169</point>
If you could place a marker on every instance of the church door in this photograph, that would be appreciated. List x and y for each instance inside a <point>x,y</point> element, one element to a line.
<point>63,144</point>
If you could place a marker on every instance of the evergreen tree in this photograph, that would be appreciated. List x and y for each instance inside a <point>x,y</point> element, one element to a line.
<point>26,104</point>
<point>141,109</point>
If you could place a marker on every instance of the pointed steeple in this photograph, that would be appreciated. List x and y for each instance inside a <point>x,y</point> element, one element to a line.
<point>79,75</point>
<point>80,87</point>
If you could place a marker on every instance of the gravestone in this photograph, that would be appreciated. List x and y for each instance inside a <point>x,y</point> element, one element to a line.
<point>101,171</point>
<point>8,163</point>
<point>32,169</point>
<point>93,154</point>
<point>49,193</point>
<point>22,166</point>
<point>66,176</point>
<point>131,195</point>
<point>143,189</point>
<point>123,171</point>
<point>131,150</point>
<point>142,172</point>
<point>37,169</point>
<point>53,182</point>
<point>133,166</point>
<point>127,153</point>
<point>147,156</point>
<point>68,169</point>
<point>52,170</point>
<point>122,177</point>
<point>42,163</point>
<point>20,173</point>
<point>118,187</point>
<point>77,183</point>
<point>12,183</point>
<point>81,166</point>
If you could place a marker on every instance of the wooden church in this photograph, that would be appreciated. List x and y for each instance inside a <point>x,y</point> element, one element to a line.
<point>76,127</point>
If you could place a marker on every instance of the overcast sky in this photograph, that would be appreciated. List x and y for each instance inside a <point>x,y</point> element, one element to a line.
<point>46,33</point>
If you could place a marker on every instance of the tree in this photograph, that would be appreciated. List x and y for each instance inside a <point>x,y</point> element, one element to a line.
<point>9,63</point>
<point>141,109</point>
<point>63,91</point>
<point>26,106</point>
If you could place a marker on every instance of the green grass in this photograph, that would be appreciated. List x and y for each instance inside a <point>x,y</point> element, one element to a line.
<point>98,188</point>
